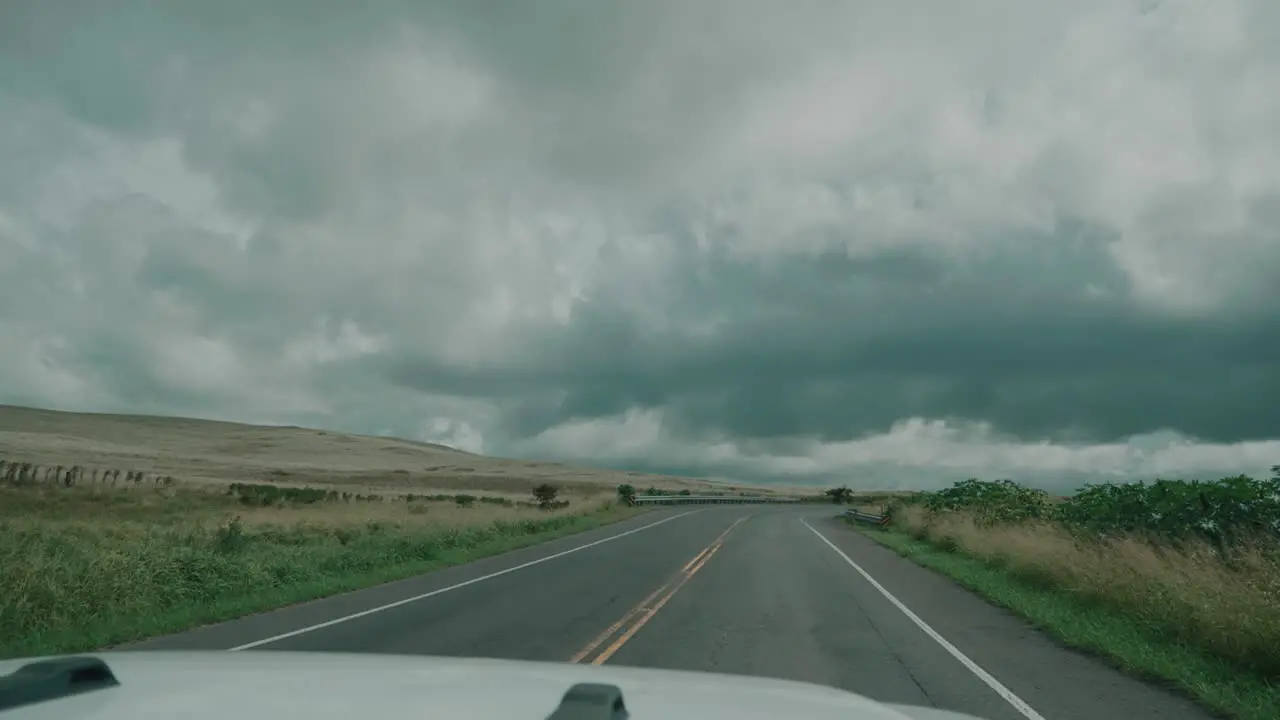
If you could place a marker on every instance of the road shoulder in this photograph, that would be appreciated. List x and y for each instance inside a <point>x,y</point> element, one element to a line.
<point>1027,661</point>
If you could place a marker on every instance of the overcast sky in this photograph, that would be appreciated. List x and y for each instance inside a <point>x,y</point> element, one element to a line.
<point>884,243</point>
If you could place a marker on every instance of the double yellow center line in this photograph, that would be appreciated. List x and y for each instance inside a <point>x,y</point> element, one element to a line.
<point>638,616</point>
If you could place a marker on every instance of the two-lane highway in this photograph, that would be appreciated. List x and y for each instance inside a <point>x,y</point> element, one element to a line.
<point>786,592</point>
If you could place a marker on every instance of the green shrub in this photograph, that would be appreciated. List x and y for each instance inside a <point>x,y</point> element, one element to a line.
<point>263,495</point>
<point>991,502</point>
<point>1226,512</point>
<point>545,495</point>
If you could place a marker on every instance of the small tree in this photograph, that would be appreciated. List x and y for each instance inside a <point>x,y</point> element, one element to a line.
<point>545,495</point>
<point>627,494</point>
<point>841,495</point>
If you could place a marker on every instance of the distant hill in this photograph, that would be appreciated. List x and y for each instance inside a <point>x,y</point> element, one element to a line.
<point>217,451</point>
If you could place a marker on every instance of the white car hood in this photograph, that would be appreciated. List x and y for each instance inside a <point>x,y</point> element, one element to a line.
<point>265,685</point>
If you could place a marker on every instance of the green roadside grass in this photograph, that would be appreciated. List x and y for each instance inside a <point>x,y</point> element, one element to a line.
<point>80,587</point>
<point>1113,636</point>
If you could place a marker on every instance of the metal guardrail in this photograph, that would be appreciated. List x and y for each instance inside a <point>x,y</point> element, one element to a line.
<point>871,518</point>
<point>708,500</point>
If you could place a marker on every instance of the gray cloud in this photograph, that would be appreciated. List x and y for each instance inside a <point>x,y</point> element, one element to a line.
<point>841,241</point>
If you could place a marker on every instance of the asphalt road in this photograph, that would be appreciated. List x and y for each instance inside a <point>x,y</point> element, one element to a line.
<point>787,592</point>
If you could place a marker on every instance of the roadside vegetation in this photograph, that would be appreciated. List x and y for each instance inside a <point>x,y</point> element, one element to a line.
<point>628,492</point>
<point>1178,581</point>
<point>93,558</point>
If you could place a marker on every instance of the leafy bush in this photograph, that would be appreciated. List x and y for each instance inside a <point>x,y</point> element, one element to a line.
<point>263,495</point>
<point>840,495</point>
<point>545,495</point>
<point>627,494</point>
<point>991,502</point>
<point>1224,512</point>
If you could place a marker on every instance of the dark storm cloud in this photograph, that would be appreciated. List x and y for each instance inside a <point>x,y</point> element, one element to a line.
<point>838,347</point>
<point>720,237</point>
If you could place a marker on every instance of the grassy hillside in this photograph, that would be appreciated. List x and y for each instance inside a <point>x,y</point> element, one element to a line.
<point>206,451</point>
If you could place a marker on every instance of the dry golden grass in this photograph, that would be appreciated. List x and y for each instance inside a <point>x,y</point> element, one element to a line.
<point>126,509</point>
<point>1229,606</point>
<point>213,452</point>
<point>406,515</point>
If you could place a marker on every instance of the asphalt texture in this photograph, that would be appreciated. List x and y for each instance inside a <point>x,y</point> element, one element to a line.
<point>752,590</point>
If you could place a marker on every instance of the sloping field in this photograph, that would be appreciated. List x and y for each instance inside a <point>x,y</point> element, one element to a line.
<point>206,451</point>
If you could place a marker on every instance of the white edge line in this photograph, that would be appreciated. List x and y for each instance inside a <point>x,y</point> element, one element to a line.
<point>1018,703</point>
<point>441,591</point>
